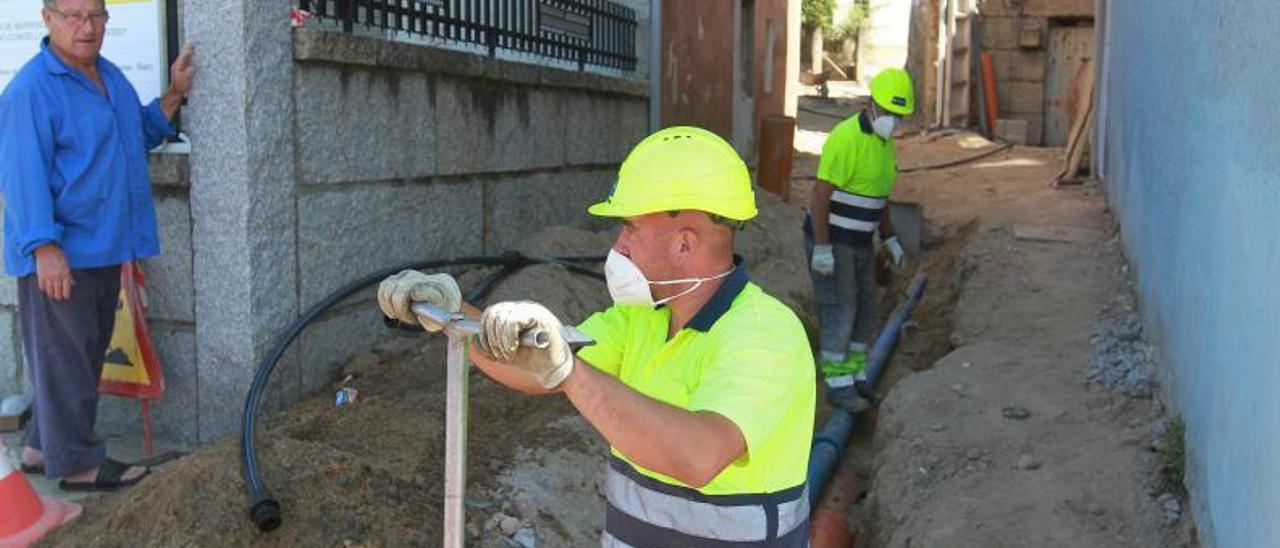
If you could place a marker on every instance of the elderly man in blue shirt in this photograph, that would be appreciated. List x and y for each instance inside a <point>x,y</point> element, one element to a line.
<point>73,168</point>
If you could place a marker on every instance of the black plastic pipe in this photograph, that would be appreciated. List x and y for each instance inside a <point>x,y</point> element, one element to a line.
<point>265,510</point>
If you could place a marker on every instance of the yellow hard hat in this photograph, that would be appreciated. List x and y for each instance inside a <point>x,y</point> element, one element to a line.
<point>892,90</point>
<point>681,168</point>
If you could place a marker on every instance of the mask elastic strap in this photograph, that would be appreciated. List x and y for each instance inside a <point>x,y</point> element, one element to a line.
<point>697,282</point>
<point>693,280</point>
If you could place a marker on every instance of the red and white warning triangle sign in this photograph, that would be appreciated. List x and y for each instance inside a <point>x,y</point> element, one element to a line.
<point>132,368</point>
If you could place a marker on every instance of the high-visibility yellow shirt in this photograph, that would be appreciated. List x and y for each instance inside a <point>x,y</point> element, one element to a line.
<point>856,160</point>
<point>744,355</point>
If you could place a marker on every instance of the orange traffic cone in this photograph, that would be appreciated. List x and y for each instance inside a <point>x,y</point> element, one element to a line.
<point>27,516</point>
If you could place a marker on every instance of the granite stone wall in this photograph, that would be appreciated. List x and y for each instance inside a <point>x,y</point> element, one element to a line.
<point>318,158</point>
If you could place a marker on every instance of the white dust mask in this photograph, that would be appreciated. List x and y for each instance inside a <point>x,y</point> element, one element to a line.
<point>884,125</point>
<point>629,287</point>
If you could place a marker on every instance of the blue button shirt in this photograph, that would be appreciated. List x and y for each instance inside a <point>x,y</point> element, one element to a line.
<point>73,165</point>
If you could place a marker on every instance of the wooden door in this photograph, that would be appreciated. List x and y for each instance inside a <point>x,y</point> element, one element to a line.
<point>1069,48</point>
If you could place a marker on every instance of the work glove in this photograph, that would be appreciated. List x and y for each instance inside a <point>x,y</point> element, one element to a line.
<point>398,293</point>
<point>895,250</point>
<point>823,261</point>
<point>500,327</point>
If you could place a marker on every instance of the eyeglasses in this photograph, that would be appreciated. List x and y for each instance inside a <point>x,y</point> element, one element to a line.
<point>77,20</point>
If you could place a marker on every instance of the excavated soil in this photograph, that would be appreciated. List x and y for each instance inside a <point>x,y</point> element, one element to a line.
<point>991,430</point>
<point>370,473</point>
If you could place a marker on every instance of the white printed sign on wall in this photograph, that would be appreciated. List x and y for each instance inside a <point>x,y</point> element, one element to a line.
<point>134,41</point>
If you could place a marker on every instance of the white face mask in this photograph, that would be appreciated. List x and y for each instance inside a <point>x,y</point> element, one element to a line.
<point>629,287</point>
<point>884,125</point>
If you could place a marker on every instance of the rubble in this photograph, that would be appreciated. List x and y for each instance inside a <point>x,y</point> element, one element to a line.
<point>508,524</point>
<point>524,538</point>
<point>1016,413</point>
<point>1028,462</point>
<point>1122,359</point>
<point>1171,507</point>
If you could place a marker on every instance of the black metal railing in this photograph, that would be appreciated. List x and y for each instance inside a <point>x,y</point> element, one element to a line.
<point>588,32</point>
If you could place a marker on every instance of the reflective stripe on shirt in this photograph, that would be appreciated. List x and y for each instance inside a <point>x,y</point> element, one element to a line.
<point>866,202</point>
<point>851,224</point>
<point>855,214</point>
<point>643,511</point>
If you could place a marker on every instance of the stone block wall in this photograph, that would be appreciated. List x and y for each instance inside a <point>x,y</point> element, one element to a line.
<point>12,379</point>
<point>426,153</point>
<point>335,156</point>
<point>171,314</point>
<point>1016,36</point>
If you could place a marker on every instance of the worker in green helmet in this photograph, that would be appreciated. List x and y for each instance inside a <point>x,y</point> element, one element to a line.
<point>846,209</point>
<point>702,383</point>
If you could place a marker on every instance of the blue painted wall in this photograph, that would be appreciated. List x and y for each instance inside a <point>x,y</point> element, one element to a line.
<point>1192,161</point>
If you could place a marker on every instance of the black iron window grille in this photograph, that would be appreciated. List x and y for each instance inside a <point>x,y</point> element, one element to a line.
<point>586,32</point>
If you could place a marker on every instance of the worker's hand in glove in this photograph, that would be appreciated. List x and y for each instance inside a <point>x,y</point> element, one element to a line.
<point>398,293</point>
<point>823,261</point>
<point>895,250</point>
<point>500,329</point>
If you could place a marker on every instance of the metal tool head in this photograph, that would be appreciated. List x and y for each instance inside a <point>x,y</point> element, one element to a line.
<point>457,323</point>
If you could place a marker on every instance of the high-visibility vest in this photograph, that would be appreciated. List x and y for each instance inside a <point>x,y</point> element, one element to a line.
<point>643,512</point>
<point>746,357</point>
<point>862,166</point>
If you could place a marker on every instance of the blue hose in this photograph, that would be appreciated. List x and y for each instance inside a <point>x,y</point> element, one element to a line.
<point>828,444</point>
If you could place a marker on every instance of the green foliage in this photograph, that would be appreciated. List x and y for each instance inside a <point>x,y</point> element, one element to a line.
<point>857,20</point>
<point>817,13</point>
<point>1172,448</point>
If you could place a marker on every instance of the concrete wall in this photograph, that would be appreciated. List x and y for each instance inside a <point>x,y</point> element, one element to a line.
<point>1188,145</point>
<point>697,64</point>
<point>12,378</point>
<point>922,59</point>
<point>1016,35</point>
<point>725,65</point>
<point>318,158</point>
<point>771,85</point>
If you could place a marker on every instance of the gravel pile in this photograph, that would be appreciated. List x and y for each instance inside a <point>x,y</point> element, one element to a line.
<point>1123,360</point>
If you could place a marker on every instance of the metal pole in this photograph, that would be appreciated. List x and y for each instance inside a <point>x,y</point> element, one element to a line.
<point>455,438</point>
<point>459,330</point>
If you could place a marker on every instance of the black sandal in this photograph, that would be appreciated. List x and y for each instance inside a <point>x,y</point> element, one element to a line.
<point>110,477</point>
<point>32,469</point>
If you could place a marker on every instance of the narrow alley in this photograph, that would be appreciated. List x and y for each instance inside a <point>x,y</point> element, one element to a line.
<point>639,273</point>
<point>990,432</point>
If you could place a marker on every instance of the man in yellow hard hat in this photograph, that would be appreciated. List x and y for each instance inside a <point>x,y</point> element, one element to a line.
<point>702,384</point>
<point>846,208</point>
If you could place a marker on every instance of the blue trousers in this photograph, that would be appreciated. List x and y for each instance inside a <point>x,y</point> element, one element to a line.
<point>65,343</point>
<point>846,301</point>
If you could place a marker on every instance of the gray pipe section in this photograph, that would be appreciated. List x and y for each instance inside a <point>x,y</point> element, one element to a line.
<point>828,444</point>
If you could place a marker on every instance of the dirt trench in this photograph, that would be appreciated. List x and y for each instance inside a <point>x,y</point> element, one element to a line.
<point>1005,322</point>
<point>925,338</point>
<point>991,430</point>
